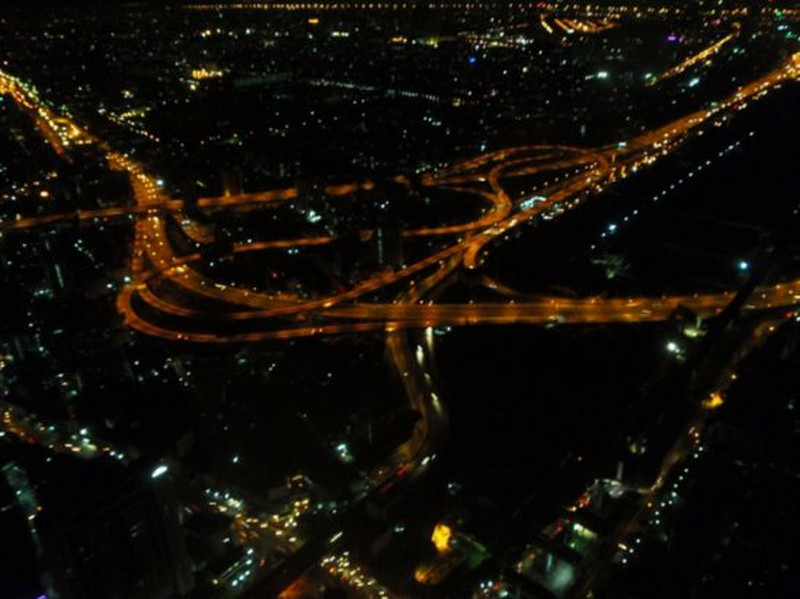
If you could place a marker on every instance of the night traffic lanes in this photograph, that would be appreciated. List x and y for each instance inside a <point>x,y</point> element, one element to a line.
<point>153,258</point>
<point>631,153</point>
<point>153,238</point>
<point>169,205</point>
<point>153,261</point>
<point>501,208</point>
<point>696,58</point>
<point>374,317</point>
<point>43,117</point>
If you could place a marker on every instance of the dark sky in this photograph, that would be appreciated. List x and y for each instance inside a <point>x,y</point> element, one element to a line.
<point>28,5</point>
<point>70,4</point>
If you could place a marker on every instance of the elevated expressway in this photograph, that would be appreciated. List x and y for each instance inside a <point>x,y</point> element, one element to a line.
<point>578,172</point>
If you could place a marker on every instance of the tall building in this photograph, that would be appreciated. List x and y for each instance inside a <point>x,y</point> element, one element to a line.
<point>110,533</point>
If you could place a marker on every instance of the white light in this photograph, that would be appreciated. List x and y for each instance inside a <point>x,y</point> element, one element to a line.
<point>602,74</point>
<point>744,265</point>
<point>672,346</point>
<point>160,470</point>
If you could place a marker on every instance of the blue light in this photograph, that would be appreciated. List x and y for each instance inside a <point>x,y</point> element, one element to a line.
<point>473,60</point>
<point>743,265</point>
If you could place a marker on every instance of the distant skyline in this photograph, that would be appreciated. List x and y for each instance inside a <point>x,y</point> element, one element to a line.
<point>67,4</point>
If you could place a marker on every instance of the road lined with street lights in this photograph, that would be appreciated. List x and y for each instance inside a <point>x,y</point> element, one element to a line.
<point>273,316</point>
<point>696,58</point>
<point>486,171</point>
<point>584,171</point>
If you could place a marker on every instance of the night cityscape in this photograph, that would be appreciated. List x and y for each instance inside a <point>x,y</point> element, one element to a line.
<point>399,300</point>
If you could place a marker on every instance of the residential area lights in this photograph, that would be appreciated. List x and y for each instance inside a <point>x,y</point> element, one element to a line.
<point>333,258</point>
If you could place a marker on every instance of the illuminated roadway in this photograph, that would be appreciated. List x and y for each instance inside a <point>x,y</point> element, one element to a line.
<point>576,173</point>
<point>696,58</point>
<point>482,176</point>
<point>584,171</point>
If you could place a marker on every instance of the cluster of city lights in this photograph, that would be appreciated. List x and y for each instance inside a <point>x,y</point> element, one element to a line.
<point>342,567</point>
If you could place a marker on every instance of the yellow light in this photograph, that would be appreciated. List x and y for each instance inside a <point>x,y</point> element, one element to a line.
<point>441,537</point>
<point>313,21</point>
<point>422,574</point>
<point>714,401</point>
<point>200,74</point>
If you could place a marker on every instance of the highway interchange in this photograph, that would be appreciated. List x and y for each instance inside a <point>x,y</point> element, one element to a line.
<point>577,173</point>
<point>574,175</point>
<point>584,172</point>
